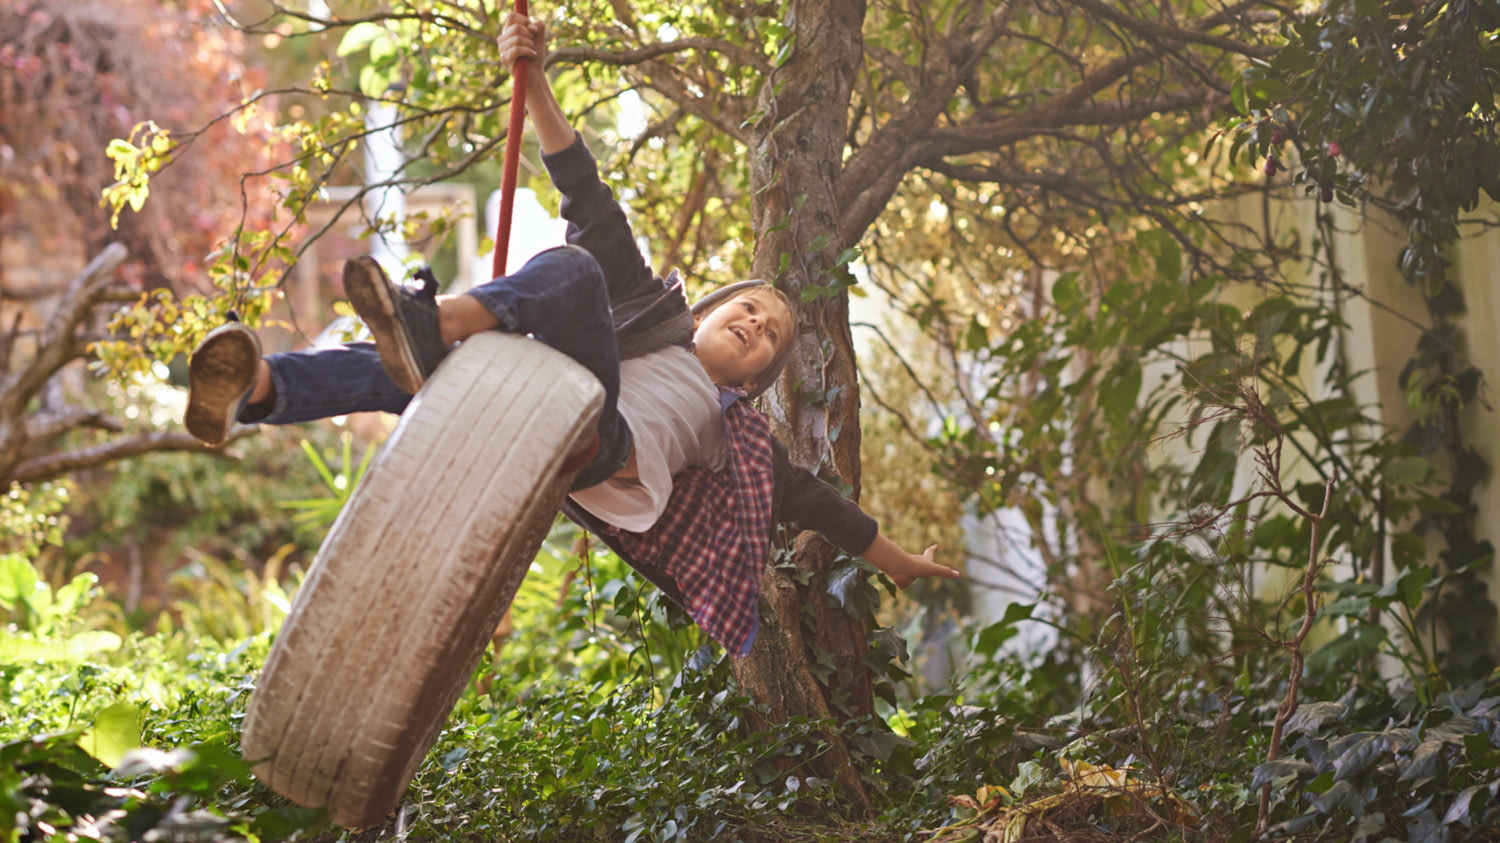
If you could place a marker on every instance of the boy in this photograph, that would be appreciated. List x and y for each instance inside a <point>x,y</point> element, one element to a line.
<point>684,481</point>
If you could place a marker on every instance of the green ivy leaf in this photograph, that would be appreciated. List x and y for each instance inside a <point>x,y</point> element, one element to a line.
<point>1426,762</point>
<point>1409,586</point>
<point>359,36</point>
<point>1343,795</point>
<point>1119,392</point>
<point>17,580</point>
<point>991,637</point>
<point>1406,471</point>
<point>1460,809</point>
<point>1272,770</point>
<point>1353,754</point>
<point>116,731</point>
<point>1238,97</point>
<point>976,338</point>
<point>1310,717</point>
<point>1066,294</point>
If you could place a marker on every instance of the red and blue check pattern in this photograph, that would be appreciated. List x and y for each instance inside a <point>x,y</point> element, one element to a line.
<point>715,534</point>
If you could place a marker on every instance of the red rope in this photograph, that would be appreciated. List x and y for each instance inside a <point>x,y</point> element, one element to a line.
<point>512,156</point>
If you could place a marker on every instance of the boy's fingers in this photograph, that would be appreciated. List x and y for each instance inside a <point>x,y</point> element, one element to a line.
<point>930,554</point>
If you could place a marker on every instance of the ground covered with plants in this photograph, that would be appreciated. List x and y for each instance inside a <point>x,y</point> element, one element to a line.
<point>1244,600</point>
<point>601,717</point>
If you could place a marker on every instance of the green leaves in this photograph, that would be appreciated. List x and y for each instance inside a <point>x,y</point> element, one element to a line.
<point>115,732</point>
<point>1431,771</point>
<point>46,625</point>
<point>989,639</point>
<point>316,515</point>
<point>361,36</point>
<point>1395,97</point>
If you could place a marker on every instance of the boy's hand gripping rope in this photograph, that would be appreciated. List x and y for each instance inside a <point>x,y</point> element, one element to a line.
<point>512,155</point>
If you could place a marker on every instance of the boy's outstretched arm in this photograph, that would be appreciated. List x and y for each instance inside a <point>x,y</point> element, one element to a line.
<point>811,504</point>
<point>905,568</point>
<point>524,38</point>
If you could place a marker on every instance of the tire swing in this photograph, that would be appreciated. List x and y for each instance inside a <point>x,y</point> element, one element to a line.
<point>417,570</point>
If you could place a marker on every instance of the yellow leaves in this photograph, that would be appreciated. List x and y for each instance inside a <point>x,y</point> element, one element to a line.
<point>1085,776</point>
<point>984,800</point>
<point>246,117</point>
<point>1121,792</point>
<point>136,160</point>
<point>160,326</point>
<point>1090,793</point>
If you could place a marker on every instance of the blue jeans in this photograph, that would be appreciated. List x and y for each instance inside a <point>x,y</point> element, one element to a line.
<point>558,297</point>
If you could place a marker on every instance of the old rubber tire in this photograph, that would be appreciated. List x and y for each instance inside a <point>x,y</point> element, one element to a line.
<point>414,576</point>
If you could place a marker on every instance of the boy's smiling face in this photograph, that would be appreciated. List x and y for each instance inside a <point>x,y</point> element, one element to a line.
<point>737,340</point>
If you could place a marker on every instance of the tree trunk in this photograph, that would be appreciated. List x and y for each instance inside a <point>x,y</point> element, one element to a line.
<point>57,345</point>
<point>797,157</point>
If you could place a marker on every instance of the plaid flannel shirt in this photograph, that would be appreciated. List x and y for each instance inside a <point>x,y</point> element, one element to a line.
<point>715,534</point>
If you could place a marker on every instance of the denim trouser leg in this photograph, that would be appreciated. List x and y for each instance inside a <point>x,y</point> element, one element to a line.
<point>559,296</point>
<point>321,382</point>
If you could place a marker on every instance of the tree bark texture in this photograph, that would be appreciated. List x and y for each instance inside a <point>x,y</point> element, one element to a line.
<point>796,155</point>
<point>58,344</point>
<point>29,434</point>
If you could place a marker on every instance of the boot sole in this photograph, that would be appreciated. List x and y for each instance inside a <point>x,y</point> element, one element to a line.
<point>369,293</point>
<point>220,372</point>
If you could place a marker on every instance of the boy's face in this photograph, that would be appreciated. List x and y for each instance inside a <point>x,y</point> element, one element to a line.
<point>737,340</point>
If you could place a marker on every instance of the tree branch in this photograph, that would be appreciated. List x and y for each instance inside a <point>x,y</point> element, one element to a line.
<point>872,174</point>
<point>981,135</point>
<point>55,465</point>
<point>641,55</point>
<point>1162,32</point>
<point>58,343</point>
<point>44,427</point>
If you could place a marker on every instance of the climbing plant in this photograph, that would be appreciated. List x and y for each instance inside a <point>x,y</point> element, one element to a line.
<point>1392,105</point>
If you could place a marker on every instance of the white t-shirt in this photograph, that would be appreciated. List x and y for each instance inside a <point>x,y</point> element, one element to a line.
<point>673,411</point>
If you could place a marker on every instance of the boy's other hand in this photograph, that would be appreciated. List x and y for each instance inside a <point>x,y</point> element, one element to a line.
<point>905,568</point>
<point>917,567</point>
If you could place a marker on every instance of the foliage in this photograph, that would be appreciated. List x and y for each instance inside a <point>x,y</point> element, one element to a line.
<point>32,518</point>
<point>228,603</point>
<point>633,756</point>
<point>604,773</point>
<point>315,515</point>
<point>1392,103</point>
<point>140,747</point>
<point>1373,765</point>
<point>47,624</point>
<point>1118,419</point>
<point>77,77</point>
<point>1112,401</point>
<point>75,81</point>
<point>78,701</point>
<point>172,517</point>
<point>216,506</point>
<point>592,620</point>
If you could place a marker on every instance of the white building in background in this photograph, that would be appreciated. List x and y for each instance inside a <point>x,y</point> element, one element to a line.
<point>1385,324</point>
<point>385,201</point>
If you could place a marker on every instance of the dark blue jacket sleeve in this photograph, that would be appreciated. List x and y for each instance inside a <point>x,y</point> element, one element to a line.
<point>803,500</point>
<point>597,224</point>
